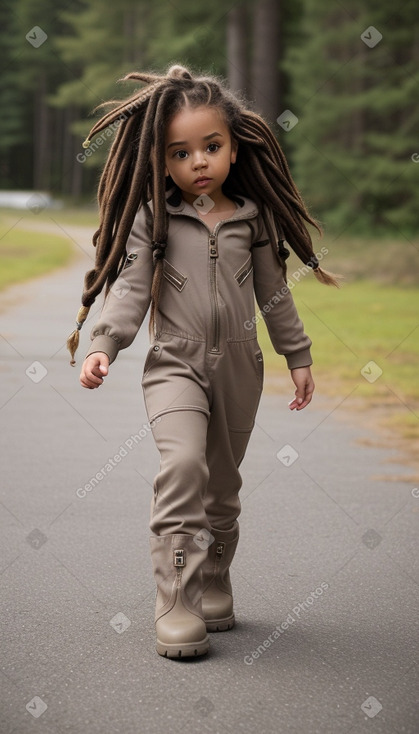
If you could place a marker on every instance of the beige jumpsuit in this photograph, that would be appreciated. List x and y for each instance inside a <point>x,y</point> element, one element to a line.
<point>203,373</point>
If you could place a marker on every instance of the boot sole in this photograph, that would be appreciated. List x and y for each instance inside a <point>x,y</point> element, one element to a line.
<point>188,650</point>
<point>220,625</point>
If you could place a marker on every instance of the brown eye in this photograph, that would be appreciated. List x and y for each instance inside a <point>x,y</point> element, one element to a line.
<point>213,147</point>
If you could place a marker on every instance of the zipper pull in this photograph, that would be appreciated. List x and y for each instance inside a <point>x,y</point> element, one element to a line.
<point>213,249</point>
<point>179,558</point>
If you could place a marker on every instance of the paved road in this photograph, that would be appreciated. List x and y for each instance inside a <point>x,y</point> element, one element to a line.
<point>325,578</point>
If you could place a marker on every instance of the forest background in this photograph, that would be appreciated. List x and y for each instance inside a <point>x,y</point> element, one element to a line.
<point>347,70</point>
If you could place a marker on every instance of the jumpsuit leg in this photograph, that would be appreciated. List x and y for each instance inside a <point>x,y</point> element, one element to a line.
<point>206,406</point>
<point>178,409</point>
<point>177,404</point>
<point>179,487</point>
<point>236,394</point>
<point>204,423</point>
<point>225,450</point>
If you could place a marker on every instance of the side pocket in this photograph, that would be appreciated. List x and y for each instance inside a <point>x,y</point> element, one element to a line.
<point>174,276</point>
<point>245,270</point>
<point>153,356</point>
<point>259,364</point>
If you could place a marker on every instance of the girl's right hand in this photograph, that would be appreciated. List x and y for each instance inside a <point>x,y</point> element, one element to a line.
<point>95,368</point>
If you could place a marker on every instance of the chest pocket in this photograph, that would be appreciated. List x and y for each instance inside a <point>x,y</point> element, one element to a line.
<point>244,271</point>
<point>174,276</point>
<point>129,260</point>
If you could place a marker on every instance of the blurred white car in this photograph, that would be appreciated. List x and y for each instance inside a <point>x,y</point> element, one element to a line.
<point>36,201</point>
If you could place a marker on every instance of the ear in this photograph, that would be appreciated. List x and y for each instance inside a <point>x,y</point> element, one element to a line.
<point>166,171</point>
<point>234,148</point>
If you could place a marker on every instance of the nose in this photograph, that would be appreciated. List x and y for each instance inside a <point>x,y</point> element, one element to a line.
<point>199,161</point>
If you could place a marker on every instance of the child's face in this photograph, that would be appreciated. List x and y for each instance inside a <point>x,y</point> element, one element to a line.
<point>199,152</point>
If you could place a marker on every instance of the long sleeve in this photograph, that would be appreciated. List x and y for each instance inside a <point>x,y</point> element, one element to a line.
<point>127,302</point>
<point>276,304</point>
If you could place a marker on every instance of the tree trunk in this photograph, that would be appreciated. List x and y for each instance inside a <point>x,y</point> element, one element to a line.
<point>237,66</point>
<point>42,138</point>
<point>67,145</point>
<point>265,88</point>
<point>76,172</point>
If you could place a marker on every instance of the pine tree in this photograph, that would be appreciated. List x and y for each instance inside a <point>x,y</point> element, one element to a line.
<point>354,91</point>
<point>266,55</point>
<point>14,136</point>
<point>32,72</point>
<point>237,47</point>
<point>105,41</point>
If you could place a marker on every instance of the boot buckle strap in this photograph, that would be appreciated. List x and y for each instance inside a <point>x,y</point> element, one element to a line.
<point>179,557</point>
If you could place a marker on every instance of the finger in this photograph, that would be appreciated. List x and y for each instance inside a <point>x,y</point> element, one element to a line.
<point>302,398</point>
<point>90,381</point>
<point>299,394</point>
<point>293,404</point>
<point>88,384</point>
<point>83,384</point>
<point>93,377</point>
<point>307,399</point>
<point>91,385</point>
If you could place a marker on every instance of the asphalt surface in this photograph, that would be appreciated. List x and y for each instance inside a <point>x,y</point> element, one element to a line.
<point>325,576</point>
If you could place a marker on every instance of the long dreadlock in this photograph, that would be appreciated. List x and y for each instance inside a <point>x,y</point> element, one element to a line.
<point>134,175</point>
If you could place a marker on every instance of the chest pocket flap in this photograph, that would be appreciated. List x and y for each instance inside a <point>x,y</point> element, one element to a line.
<point>173,275</point>
<point>244,271</point>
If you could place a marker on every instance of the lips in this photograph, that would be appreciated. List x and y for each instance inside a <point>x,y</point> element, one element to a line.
<point>202,180</point>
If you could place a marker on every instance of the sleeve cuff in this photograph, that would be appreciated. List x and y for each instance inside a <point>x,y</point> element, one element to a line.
<point>299,359</point>
<point>104,344</point>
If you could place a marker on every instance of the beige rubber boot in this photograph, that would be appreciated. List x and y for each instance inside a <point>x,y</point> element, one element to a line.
<point>180,627</point>
<point>217,599</point>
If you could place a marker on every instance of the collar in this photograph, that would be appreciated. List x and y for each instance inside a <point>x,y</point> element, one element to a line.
<point>175,204</point>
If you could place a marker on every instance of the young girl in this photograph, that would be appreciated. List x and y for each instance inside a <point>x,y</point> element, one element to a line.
<point>196,201</point>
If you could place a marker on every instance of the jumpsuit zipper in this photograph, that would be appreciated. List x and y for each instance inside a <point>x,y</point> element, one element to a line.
<point>215,313</point>
<point>213,255</point>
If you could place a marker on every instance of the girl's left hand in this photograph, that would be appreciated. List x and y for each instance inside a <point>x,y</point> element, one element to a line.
<point>303,381</point>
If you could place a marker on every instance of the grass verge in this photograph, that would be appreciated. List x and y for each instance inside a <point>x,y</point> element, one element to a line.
<point>365,341</point>
<point>86,216</point>
<point>26,254</point>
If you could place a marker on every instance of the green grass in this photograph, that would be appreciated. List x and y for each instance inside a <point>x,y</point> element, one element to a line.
<point>362,321</point>
<point>25,254</point>
<point>86,216</point>
<point>391,260</point>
